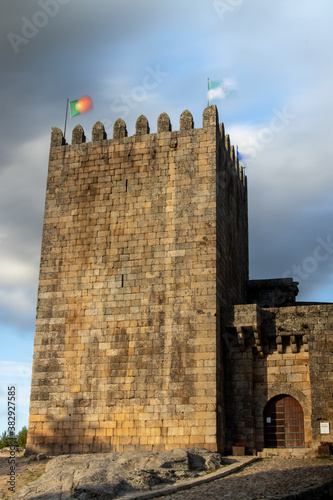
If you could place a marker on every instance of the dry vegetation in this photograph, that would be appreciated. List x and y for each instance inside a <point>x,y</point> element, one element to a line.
<point>25,472</point>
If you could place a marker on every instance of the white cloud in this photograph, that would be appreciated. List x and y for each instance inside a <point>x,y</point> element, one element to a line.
<point>18,303</point>
<point>14,272</point>
<point>16,374</point>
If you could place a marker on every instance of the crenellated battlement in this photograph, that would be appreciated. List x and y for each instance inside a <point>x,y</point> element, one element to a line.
<point>186,124</point>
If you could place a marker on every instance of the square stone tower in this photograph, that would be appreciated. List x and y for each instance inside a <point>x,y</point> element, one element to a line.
<point>144,240</point>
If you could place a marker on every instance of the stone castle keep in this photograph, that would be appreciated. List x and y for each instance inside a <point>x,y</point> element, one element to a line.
<point>149,334</point>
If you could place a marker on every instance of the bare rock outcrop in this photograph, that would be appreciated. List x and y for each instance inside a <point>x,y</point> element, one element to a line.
<point>112,475</point>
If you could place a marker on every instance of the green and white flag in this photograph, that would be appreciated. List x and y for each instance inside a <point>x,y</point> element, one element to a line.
<point>221,89</point>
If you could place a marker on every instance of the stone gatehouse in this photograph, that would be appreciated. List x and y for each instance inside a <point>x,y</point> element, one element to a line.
<point>149,334</point>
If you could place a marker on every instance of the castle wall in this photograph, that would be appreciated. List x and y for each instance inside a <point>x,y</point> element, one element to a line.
<point>127,351</point>
<point>293,356</point>
<point>231,253</point>
<point>314,323</point>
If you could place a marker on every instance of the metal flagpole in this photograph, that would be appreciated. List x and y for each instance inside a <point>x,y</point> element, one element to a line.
<point>66,120</point>
<point>208,94</point>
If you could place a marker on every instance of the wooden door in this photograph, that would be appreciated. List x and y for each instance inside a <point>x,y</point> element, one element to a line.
<point>283,423</point>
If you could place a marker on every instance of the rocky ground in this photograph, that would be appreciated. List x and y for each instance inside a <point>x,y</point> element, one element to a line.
<point>112,475</point>
<point>26,471</point>
<point>107,476</point>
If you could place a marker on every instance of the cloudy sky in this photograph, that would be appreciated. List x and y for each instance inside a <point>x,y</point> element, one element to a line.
<point>147,57</point>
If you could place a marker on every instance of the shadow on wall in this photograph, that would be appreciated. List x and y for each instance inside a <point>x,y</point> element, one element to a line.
<point>240,382</point>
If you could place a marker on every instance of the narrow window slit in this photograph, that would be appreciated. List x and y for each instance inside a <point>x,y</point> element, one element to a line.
<point>122,281</point>
<point>126,186</point>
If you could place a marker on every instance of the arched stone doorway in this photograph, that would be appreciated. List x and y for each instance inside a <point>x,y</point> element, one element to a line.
<point>283,423</point>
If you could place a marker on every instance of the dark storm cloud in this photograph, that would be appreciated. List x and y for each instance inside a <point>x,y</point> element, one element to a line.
<point>279,54</point>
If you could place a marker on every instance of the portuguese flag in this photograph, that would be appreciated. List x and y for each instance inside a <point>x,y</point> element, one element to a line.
<point>80,106</point>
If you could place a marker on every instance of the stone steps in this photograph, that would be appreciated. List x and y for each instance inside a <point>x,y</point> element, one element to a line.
<point>286,453</point>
